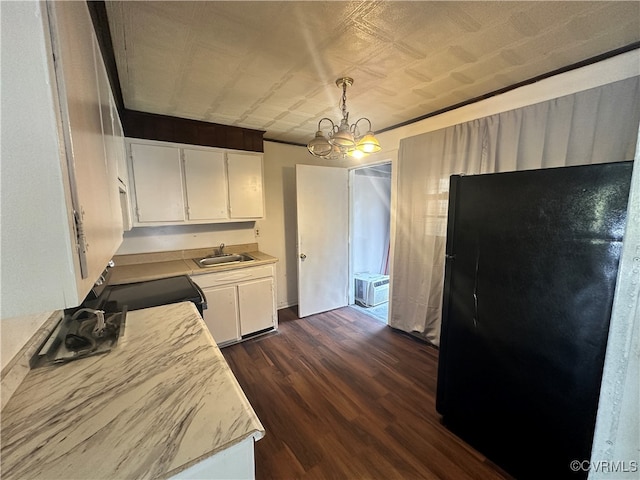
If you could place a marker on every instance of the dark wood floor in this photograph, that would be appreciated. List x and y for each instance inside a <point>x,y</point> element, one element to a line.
<point>343,396</point>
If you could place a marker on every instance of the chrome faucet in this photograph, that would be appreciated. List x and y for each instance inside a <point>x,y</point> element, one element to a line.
<point>220,249</point>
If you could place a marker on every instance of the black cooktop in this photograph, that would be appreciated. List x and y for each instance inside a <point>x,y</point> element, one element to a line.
<point>151,293</point>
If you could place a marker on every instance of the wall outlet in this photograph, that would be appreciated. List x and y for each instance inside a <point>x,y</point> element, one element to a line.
<point>257,232</point>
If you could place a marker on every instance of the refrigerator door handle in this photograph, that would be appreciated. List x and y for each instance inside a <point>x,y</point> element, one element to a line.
<point>475,313</point>
<point>476,317</point>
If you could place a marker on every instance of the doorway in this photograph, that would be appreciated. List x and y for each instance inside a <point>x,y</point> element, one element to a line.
<point>370,233</point>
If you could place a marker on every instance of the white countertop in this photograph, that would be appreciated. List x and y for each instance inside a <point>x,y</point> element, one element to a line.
<point>161,401</point>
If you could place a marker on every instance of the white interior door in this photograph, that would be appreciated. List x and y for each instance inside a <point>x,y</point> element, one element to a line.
<point>323,229</point>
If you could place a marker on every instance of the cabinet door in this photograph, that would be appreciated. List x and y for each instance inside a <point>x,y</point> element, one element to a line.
<point>120,148</point>
<point>113,145</point>
<point>246,198</point>
<point>157,180</point>
<point>221,316</point>
<point>206,184</point>
<point>257,305</point>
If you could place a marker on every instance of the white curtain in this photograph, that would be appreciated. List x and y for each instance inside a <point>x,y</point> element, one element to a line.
<point>595,126</point>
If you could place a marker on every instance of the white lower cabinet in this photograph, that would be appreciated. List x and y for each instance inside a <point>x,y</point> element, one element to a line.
<point>239,302</point>
<point>221,315</point>
<point>255,300</point>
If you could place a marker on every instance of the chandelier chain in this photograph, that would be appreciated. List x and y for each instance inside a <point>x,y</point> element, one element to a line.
<point>345,114</point>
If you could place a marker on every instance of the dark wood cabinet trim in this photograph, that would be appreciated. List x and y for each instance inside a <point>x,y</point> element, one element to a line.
<point>151,126</point>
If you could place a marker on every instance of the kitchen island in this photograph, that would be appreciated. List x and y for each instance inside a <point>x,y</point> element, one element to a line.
<point>162,403</point>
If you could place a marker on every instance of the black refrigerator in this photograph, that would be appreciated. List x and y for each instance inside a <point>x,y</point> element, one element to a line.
<point>531,264</point>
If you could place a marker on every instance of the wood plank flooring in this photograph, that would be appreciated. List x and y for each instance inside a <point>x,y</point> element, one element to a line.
<point>343,396</point>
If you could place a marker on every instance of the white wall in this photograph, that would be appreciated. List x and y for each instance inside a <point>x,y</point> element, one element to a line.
<point>617,433</point>
<point>183,237</point>
<point>277,231</point>
<point>370,235</point>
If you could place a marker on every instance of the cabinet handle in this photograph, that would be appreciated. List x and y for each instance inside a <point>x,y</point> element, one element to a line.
<point>303,256</point>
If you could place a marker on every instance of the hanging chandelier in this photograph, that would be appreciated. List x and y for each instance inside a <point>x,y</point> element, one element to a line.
<point>344,139</point>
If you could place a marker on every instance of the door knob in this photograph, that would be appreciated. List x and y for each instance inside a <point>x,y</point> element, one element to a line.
<point>303,256</point>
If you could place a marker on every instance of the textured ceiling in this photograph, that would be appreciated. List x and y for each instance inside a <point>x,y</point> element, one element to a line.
<point>272,65</point>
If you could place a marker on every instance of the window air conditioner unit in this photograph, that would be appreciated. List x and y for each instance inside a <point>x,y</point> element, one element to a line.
<point>371,289</point>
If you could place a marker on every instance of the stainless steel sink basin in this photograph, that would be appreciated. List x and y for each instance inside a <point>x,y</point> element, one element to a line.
<point>220,260</point>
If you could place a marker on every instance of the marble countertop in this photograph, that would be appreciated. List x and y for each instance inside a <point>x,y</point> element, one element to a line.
<point>161,401</point>
<point>155,269</point>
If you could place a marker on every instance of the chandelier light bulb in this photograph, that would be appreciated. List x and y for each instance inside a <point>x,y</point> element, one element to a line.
<point>369,143</point>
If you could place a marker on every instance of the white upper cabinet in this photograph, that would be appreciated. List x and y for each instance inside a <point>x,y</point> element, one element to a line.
<point>119,146</point>
<point>175,184</point>
<point>112,141</point>
<point>61,218</point>
<point>157,176</point>
<point>246,198</point>
<point>206,181</point>
<point>114,144</point>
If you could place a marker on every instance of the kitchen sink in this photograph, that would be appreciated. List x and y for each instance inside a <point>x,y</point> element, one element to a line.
<point>226,259</point>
